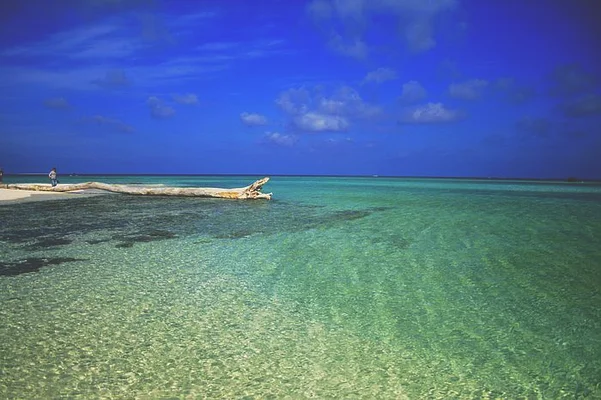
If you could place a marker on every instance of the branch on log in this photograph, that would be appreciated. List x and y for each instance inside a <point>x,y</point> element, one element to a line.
<point>252,191</point>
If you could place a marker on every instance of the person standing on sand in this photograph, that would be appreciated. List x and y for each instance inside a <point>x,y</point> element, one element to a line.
<point>1,175</point>
<point>52,176</point>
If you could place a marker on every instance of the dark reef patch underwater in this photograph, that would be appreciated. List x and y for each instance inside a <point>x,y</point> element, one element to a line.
<point>128,220</point>
<point>31,265</point>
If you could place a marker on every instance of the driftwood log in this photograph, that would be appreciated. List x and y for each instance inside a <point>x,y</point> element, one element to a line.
<point>252,191</point>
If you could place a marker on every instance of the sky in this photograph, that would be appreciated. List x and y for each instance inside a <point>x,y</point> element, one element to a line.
<point>472,88</point>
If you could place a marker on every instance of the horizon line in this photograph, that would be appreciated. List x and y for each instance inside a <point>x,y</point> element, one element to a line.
<point>563,179</point>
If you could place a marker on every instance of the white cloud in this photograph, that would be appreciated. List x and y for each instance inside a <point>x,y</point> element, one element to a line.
<point>316,122</point>
<point>345,101</point>
<point>188,98</point>
<point>380,75</point>
<point>279,139</point>
<point>430,113</point>
<point>313,111</point>
<point>337,142</point>
<point>294,101</point>
<point>253,119</point>
<point>331,106</point>
<point>469,90</point>
<point>413,92</point>
<point>153,101</point>
<point>158,109</point>
<point>415,18</point>
<point>355,105</point>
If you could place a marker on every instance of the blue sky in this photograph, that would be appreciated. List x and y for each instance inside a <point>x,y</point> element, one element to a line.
<point>495,88</point>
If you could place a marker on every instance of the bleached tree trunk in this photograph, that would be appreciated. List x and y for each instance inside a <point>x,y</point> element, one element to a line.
<point>252,191</point>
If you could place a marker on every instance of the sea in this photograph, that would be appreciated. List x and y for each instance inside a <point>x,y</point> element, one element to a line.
<point>337,288</point>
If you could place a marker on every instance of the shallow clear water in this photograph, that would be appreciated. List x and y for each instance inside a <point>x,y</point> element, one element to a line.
<point>337,288</point>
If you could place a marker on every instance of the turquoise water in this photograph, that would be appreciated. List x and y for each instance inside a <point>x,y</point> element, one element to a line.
<point>338,288</point>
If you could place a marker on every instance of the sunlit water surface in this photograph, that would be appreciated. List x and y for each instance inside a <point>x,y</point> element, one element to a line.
<point>374,288</point>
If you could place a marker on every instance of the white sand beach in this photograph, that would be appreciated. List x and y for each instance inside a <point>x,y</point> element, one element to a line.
<point>18,195</point>
<point>15,195</point>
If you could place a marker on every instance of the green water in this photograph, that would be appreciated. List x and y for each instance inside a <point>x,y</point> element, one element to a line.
<point>372,288</point>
